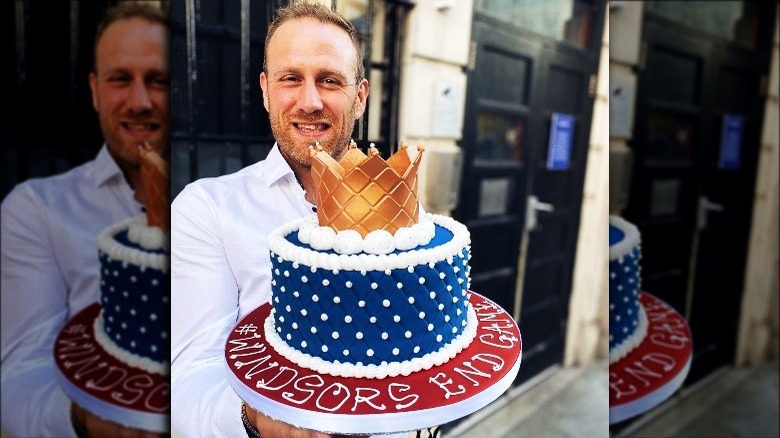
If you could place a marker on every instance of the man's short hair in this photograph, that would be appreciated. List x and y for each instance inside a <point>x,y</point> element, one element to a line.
<point>124,10</point>
<point>305,9</point>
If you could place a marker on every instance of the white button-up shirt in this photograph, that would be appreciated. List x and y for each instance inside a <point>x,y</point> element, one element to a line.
<point>220,272</point>
<point>50,271</point>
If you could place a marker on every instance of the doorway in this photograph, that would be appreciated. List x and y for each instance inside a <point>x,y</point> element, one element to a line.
<point>529,102</point>
<point>696,139</point>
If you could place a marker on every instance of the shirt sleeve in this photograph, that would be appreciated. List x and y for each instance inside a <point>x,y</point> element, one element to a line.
<point>34,308</point>
<point>204,308</point>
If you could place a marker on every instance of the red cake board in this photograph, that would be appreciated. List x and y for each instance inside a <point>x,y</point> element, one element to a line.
<point>105,386</point>
<point>282,390</point>
<point>654,370</point>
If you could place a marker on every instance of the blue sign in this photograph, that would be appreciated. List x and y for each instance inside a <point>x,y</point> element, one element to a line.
<point>731,141</point>
<point>561,137</point>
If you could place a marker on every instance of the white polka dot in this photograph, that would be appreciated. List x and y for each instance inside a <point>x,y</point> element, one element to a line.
<point>438,338</point>
<point>303,344</point>
<point>422,280</point>
<point>345,352</point>
<point>313,330</point>
<point>288,337</point>
<point>370,352</point>
<point>395,352</point>
<point>399,285</point>
<point>304,312</point>
<point>295,326</point>
<point>384,335</point>
<point>421,315</point>
<point>336,300</point>
<point>359,335</point>
<point>348,284</point>
<point>315,298</point>
<point>324,348</point>
<point>374,285</point>
<point>296,294</point>
<point>362,303</point>
<point>397,318</point>
<point>304,279</point>
<point>325,282</point>
<point>372,320</point>
<point>417,349</point>
<point>408,334</point>
<point>386,303</point>
<point>430,327</point>
<point>347,319</point>
<point>335,335</point>
<point>324,317</point>
<point>411,300</point>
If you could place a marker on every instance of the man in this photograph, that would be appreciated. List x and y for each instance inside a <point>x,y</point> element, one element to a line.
<point>314,90</point>
<point>50,226</point>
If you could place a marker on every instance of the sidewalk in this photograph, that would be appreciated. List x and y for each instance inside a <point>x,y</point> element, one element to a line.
<point>733,402</point>
<point>562,402</point>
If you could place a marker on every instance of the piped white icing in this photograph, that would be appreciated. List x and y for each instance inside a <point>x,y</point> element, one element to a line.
<point>376,242</point>
<point>631,239</point>
<point>372,371</point>
<point>134,360</point>
<point>369,262</point>
<point>620,351</point>
<point>144,235</point>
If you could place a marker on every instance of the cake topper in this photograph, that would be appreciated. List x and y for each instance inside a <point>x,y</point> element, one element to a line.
<point>364,192</point>
<point>155,177</point>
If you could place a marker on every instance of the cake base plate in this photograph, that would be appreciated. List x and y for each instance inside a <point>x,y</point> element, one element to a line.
<point>656,368</point>
<point>281,389</point>
<point>105,386</point>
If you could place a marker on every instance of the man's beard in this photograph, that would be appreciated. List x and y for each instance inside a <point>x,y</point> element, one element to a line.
<point>299,154</point>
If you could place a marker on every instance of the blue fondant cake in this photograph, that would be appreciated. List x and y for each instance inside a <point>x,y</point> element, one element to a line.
<point>627,320</point>
<point>371,315</point>
<point>134,295</point>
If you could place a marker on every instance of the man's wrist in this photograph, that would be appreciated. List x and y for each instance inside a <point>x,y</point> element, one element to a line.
<point>251,430</point>
<point>78,423</point>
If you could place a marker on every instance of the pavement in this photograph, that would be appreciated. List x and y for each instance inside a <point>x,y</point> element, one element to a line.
<point>573,402</point>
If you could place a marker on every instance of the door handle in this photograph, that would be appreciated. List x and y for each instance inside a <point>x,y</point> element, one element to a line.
<point>705,206</point>
<point>532,206</point>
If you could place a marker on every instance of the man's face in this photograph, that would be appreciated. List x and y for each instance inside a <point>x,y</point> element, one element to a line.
<point>130,87</point>
<point>310,91</point>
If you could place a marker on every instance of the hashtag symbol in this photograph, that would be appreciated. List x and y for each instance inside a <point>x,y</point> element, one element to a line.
<point>247,328</point>
<point>75,329</point>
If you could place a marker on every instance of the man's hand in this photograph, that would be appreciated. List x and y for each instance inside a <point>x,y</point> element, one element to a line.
<point>97,427</point>
<point>270,428</point>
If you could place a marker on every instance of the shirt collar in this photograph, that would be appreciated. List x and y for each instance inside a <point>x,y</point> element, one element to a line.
<point>105,168</point>
<point>276,167</point>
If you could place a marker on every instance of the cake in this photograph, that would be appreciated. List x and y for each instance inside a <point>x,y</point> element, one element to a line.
<point>368,287</point>
<point>627,317</point>
<point>134,319</point>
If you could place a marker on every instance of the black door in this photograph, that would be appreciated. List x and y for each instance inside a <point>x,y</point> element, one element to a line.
<point>521,84</point>
<point>696,140</point>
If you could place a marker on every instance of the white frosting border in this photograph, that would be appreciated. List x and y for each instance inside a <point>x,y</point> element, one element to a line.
<point>372,371</point>
<point>369,262</point>
<point>620,351</point>
<point>146,235</point>
<point>133,360</point>
<point>324,238</point>
<point>631,240</point>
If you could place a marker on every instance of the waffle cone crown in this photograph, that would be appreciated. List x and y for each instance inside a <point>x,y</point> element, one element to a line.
<point>365,193</point>
<point>155,178</point>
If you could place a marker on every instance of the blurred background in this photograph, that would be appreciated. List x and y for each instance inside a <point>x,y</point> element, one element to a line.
<point>694,164</point>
